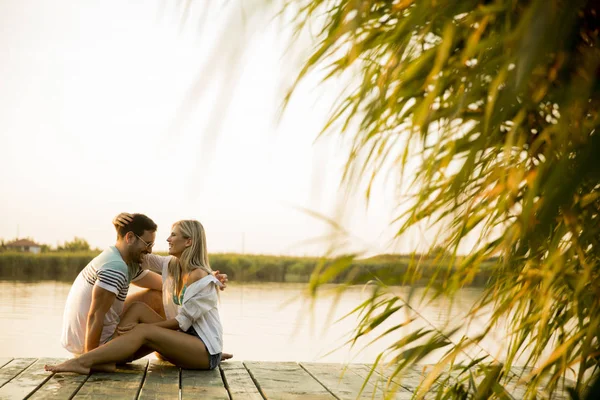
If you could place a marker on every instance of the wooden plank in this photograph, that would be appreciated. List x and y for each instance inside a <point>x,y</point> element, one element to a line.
<point>28,381</point>
<point>406,381</point>
<point>125,383</point>
<point>4,361</point>
<point>343,382</point>
<point>411,378</point>
<point>285,380</point>
<point>391,389</point>
<point>59,387</point>
<point>238,381</point>
<point>14,368</point>
<point>517,383</point>
<point>162,381</point>
<point>197,384</point>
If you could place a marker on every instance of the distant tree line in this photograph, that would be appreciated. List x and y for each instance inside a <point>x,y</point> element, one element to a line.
<point>78,244</point>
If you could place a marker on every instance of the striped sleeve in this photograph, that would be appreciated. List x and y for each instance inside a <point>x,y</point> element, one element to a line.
<point>112,278</point>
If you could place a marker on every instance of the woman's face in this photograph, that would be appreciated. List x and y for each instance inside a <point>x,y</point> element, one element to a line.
<point>177,243</point>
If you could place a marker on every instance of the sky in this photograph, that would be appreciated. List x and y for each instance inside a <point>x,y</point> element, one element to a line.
<point>109,106</point>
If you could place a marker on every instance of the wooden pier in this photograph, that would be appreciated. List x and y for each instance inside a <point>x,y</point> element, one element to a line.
<point>25,378</point>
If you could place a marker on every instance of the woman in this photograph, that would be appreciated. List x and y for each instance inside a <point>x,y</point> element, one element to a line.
<point>193,338</point>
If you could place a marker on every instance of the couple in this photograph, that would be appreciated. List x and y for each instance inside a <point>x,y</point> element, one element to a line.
<point>177,316</point>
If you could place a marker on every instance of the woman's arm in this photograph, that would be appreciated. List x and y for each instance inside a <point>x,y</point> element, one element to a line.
<point>151,280</point>
<point>154,262</point>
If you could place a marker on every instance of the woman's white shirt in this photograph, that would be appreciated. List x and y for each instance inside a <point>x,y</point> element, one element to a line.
<point>199,306</point>
<point>199,310</point>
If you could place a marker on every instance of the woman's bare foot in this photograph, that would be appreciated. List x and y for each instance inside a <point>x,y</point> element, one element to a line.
<point>226,356</point>
<point>104,368</point>
<point>72,365</point>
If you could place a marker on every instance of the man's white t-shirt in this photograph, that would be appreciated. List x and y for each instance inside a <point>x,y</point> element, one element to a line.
<point>108,271</point>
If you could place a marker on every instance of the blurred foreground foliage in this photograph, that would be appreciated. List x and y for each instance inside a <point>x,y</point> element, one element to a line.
<point>488,110</point>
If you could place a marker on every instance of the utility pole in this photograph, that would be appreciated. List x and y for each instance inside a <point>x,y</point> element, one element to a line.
<point>242,276</point>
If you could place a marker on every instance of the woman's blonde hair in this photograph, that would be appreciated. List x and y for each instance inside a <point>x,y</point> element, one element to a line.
<point>194,256</point>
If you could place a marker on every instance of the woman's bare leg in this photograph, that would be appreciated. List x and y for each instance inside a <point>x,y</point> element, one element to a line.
<point>180,348</point>
<point>139,312</point>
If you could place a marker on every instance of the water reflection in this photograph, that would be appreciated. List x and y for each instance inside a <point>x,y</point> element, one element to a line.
<point>271,322</point>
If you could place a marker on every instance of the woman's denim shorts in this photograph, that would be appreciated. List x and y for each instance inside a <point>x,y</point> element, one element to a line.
<point>214,359</point>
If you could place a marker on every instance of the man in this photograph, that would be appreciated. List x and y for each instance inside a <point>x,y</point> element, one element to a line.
<point>97,297</point>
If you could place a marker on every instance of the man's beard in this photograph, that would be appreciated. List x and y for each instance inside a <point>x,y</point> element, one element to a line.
<point>137,257</point>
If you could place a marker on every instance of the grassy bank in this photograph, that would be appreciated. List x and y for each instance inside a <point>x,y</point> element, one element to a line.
<point>392,269</point>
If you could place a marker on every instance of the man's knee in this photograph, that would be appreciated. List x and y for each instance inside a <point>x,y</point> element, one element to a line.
<point>153,299</point>
<point>150,297</point>
<point>137,305</point>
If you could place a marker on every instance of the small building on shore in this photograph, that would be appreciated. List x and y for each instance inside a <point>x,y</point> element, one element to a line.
<point>24,245</point>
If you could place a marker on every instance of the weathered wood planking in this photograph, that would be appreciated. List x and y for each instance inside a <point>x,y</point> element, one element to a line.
<point>125,384</point>
<point>238,381</point>
<point>59,387</point>
<point>4,361</point>
<point>343,382</point>
<point>162,381</point>
<point>408,380</point>
<point>382,385</point>
<point>286,380</point>
<point>14,368</point>
<point>519,378</point>
<point>202,385</point>
<point>411,377</point>
<point>28,380</point>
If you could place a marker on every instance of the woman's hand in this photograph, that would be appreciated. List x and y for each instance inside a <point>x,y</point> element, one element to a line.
<point>221,278</point>
<point>122,219</point>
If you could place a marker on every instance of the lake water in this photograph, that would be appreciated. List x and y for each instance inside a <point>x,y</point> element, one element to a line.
<point>271,322</point>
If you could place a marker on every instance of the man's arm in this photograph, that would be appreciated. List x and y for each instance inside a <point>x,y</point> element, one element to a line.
<point>102,300</point>
<point>151,280</point>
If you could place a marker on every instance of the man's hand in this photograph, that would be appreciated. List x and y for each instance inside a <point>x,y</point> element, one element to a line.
<point>221,278</point>
<point>122,219</point>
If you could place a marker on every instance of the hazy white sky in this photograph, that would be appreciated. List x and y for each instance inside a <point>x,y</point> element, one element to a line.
<point>96,118</point>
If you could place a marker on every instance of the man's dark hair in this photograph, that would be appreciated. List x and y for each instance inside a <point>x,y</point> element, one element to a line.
<point>138,225</point>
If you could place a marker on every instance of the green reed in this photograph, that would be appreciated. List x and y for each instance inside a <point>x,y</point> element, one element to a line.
<point>391,269</point>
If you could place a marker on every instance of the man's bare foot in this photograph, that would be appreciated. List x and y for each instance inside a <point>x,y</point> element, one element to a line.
<point>72,365</point>
<point>104,368</point>
<point>226,356</point>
